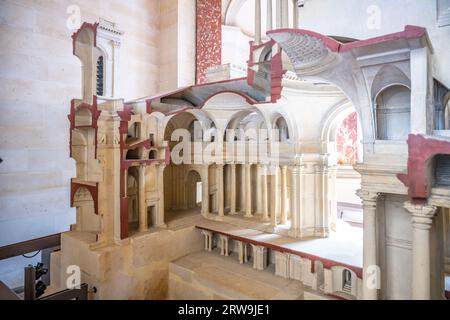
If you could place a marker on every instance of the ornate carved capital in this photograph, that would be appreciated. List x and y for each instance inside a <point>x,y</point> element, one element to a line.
<point>369,198</point>
<point>422,214</point>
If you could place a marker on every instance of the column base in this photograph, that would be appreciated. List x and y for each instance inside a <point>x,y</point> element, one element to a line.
<point>293,233</point>
<point>309,233</point>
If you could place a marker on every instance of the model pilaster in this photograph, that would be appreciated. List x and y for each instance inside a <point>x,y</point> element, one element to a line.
<point>369,201</point>
<point>422,219</point>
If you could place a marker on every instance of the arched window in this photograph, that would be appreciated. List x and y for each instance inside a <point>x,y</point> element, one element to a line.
<point>346,281</point>
<point>133,154</point>
<point>153,155</point>
<point>393,106</point>
<point>283,130</point>
<point>100,76</point>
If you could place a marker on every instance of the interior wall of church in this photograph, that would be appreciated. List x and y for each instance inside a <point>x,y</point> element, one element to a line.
<point>177,42</point>
<point>38,78</point>
<point>370,18</point>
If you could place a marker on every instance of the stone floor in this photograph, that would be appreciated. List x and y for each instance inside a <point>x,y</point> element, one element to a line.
<point>344,246</point>
<point>207,275</point>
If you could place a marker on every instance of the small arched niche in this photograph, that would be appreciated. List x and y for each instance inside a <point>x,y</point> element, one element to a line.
<point>393,110</point>
<point>133,204</point>
<point>134,132</point>
<point>83,118</point>
<point>283,130</point>
<point>153,155</point>
<point>87,220</point>
<point>134,154</point>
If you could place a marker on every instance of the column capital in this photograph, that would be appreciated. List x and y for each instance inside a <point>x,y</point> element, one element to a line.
<point>297,169</point>
<point>369,198</point>
<point>422,214</point>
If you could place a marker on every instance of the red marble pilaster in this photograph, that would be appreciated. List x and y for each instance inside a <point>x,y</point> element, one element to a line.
<point>209,36</point>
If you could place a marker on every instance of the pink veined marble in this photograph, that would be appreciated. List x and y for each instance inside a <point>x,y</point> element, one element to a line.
<point>347,140</point>
<point>209,36</point>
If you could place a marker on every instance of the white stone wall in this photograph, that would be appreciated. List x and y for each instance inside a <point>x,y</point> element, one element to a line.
<point>38,77</point>
<point>332,18</point>
<point>177,40</point>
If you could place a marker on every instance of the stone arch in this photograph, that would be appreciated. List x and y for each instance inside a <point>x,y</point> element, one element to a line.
<point>87,219</point>
<point>135,154</point>
<point>281,122</point>
<point>387,76</point>
<point>240,121</point>
<point>83,151</point>
<point>392,106</point>
<point>331,124</point>
<point>86,50</point>
<point>184,120</point>
<point>153,154</point>
<point>83,117</point>
<point>193,192</point>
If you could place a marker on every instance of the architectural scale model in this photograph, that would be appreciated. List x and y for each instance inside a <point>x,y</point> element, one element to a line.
<point>319,169</point>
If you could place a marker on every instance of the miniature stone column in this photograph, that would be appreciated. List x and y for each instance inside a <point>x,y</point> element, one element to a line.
<point>265,200</point>
<point>258,189</point>
<point>257,21</point>
<point>220,191</point>
<point>205,191</point>
<point>243,189</point>
<point>295,208</point>
<point>248,191</point>
<point>242,252</point>
<point>422,219</point>
<point>259,257</point>
<point>208,240</point>
<point>283,195</point>
<point>224,245</point>
<point>233,190</point>
<point>160,217</point>
<point>275,197</point>
<point>269,25</point>
<point>369,202</point>
<point>143,225</point>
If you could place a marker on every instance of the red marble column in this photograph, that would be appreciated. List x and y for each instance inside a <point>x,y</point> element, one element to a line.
<point>209,36</point>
